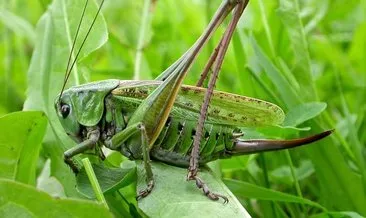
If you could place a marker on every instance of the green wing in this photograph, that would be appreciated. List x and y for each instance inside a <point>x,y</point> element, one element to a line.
<point>231,109</point>
<point>225,108</point>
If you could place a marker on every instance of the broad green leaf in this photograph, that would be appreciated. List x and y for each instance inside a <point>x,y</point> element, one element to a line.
<point>109,179</point>
<point>303,112</point>
<point>173,196</point>
<point>20,143</point>
<point>18,198</point>
<point>247,190</point>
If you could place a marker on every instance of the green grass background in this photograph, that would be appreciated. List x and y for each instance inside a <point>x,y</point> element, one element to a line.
<point>298,54</point>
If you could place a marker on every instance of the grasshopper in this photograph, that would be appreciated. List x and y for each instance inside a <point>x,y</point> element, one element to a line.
<point>167,121</point>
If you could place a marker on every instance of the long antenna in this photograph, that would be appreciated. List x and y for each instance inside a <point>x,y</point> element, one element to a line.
<point>73,47</point>
<point>75,38</point>
<point>69,68</point>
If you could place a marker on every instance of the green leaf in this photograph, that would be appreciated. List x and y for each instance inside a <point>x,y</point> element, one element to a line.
<point>17,24</point>
<point>20,140</point>
<point>27,201</point>
<point>55,32</point>
<point>59,170</point>
<point>289,14</point>
<point>173,196</point>
<point>334,31</point>
<point>283,174</point>
<point>301,113</point>
<point>48,183</point>
<point>340,214</point>
<point>247,190</point>
<point>110,179</point>
<point>284,88</point>
<point>335,174</point>
<point>128,33</point>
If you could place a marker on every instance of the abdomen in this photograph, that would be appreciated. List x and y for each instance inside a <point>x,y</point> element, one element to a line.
<point>175,142</point>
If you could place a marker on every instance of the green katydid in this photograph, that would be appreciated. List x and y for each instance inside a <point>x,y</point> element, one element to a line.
<point>177,124</point>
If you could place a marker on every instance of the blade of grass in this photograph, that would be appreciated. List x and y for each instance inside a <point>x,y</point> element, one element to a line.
<point>247,190</point>
<point>284,88</point>
<point>94,182</point>
<point>145,22</point>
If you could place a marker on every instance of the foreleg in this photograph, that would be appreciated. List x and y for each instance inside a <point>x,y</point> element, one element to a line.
<point>89,143</point>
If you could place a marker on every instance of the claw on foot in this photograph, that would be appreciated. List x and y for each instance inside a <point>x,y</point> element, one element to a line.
<point>211,195</point>
<point>145,192</point>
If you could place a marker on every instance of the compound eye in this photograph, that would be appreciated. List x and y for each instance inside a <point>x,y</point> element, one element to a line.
<point>65,110</point>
